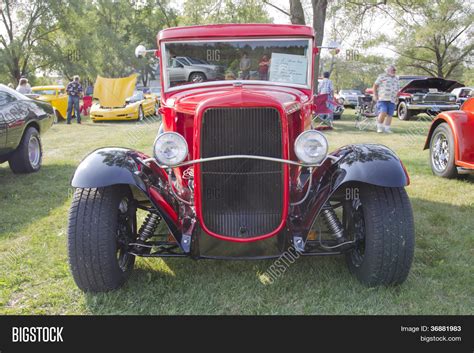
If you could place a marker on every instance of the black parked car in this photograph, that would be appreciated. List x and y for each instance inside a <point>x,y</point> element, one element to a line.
<point>22,120</point>
<point>425,95</point>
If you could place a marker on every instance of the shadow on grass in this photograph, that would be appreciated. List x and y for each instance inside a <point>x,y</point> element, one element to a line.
<point>410,129</point>
<point>27,197</point>
<point>185,286</point>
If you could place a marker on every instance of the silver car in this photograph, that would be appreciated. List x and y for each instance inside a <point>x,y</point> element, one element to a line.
<point>349,97</point>
<point>188,69</point>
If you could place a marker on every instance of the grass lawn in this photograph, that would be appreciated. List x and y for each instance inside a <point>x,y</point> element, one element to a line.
<point>35,278</point>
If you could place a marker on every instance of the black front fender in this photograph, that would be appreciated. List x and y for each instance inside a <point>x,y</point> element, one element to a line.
<point>112,166</point>
<point>365,163</point>
<point>368,163</point>
<point>106,167</point>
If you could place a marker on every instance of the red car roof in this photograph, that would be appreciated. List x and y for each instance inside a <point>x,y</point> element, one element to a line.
<point>236,30</point>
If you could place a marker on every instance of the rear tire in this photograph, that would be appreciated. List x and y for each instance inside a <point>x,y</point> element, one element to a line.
<point>28,156</point>
<point>102,222</point>
<point>384,229</point>
<point>57,117</point>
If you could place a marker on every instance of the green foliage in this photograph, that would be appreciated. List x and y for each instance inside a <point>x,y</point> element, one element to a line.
<point>436,37</point>
<point>433,38</point>
<point>356,74</point>
<point>88,37</point>
<point>23,27</point>
<point>91,38</point>
<point>198,12</point>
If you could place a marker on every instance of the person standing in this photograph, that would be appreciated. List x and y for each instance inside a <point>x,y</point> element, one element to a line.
<point>74,91</point>
<point>263,67</point>
<point>326,87</point>
<point>245,66</point>
<point>385,91</point>
<point>23,86</point>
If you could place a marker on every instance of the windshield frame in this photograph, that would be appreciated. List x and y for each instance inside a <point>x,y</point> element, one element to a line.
<point>165,84</point>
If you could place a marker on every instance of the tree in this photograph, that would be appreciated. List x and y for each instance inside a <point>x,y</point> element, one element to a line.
<point>198,12</point>
<point>99,37</point>
<point>23,27</point>
<point>439,40</point>
<point>296,15</point>
<point>430,37</point>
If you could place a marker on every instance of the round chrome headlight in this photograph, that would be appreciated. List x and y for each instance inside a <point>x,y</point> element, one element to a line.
<point>311,147</point>
<point>170,148</point>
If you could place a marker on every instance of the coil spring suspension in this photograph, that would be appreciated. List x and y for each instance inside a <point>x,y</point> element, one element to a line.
<point>149,226</point>
<point>332,222</point>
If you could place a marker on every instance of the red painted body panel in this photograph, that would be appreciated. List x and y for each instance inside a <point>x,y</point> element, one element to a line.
<point>235,30</point>
<point>162,202</point>
<point>182,110</point>
<point>461,123</point>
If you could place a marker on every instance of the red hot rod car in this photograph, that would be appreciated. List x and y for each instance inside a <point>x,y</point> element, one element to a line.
<point>238,173</point>
<point>451,142</point>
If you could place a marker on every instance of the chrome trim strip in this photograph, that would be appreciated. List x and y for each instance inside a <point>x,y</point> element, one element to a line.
<point>462,170</point>
<point>433,106</point>
<point>241,156</point>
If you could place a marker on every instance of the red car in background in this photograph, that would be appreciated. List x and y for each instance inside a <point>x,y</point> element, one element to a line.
<point>451,142</point>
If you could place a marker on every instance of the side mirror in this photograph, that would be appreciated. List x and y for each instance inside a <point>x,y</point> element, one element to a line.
<point>334,47</point>
<point>140,51</point>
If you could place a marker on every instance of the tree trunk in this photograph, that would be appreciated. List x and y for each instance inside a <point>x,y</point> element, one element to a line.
<point>319,18</point>
<point>297,13</point>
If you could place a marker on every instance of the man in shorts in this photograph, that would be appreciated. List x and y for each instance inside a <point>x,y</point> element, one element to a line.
<point>385,94</point>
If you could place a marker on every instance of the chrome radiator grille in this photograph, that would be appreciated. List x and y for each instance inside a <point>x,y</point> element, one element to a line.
<point>241,198</point>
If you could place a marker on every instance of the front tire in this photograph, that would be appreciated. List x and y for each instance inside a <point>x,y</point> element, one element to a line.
<point>102,222</point>
<point>28,156</point>
<point>442,152</point>
<point>403,112</point>
<point>381,222</point>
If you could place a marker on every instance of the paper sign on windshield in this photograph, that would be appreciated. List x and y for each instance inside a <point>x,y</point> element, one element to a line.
<point>288,68</point>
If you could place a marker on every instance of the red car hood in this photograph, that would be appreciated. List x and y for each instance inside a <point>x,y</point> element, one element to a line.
<point>187,101</point>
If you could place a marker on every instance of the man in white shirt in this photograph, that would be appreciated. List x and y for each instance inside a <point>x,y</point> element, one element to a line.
<point>23,86</point>
<point>385,90</point>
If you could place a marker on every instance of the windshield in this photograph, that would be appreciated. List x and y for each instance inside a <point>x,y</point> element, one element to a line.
<point>45,92</point>
<point>282,61</point>
<point>137,96</point>
<point>197,61</point>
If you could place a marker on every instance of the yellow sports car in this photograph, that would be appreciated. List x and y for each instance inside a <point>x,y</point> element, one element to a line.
<point>136,108</point>
<point>56,96</point>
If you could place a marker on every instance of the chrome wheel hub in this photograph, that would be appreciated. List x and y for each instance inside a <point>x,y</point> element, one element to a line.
<point>440,153</point>
<point>34,151</point>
